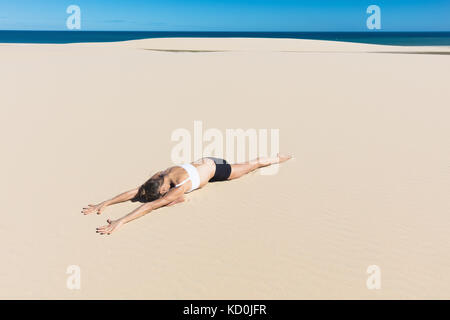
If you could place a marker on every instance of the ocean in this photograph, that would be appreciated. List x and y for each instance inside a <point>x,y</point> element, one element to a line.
<point>377,37</point>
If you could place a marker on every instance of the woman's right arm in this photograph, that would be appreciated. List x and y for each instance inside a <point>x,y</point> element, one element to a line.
<point>98,208</point>
<point>171,196</point>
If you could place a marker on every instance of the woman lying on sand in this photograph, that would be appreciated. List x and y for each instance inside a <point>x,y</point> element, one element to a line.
<point>166,188</point>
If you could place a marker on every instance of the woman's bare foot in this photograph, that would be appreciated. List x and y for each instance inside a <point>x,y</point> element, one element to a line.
<point>283,158</point>
<point>280,158</point>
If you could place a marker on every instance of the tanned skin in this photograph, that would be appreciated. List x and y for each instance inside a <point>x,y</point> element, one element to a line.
<point>172,195</point>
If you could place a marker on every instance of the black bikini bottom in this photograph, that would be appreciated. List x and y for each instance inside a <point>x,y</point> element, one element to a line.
<point>223,170</point>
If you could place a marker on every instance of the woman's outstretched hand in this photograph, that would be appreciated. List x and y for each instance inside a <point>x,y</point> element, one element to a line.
<point>97,208</point>
<point>112,226</point>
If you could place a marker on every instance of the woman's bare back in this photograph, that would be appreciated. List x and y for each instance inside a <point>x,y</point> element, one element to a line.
<point>205,167</point>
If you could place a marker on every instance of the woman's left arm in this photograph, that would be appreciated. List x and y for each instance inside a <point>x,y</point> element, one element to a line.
<point>146,208</point>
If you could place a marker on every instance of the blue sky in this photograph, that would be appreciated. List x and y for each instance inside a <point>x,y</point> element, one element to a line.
<point>226,15</point>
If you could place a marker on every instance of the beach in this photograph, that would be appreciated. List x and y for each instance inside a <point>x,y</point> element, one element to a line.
<point>369,184</point>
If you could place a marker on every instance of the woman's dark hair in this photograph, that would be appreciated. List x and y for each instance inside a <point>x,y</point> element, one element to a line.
<point>149,191</point>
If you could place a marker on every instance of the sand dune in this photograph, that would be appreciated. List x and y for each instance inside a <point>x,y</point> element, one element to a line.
<point>369,185</point>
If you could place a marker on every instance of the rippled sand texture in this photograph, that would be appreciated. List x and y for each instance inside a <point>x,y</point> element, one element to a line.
<point>370,184</point>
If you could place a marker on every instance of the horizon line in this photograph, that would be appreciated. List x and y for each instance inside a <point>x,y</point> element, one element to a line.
<point>209,31</point>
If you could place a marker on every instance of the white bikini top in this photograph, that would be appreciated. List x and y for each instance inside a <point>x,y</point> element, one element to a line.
<point>193,176</point>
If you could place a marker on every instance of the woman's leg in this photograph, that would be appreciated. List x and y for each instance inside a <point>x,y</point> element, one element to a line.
<point>240,169</point>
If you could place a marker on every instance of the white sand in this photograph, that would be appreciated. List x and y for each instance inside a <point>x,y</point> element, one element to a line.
<point>370,183</point>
